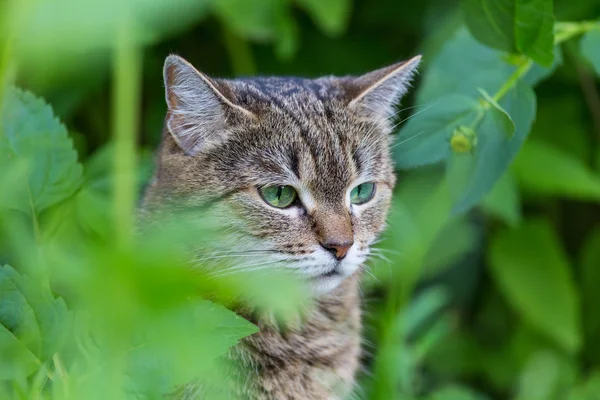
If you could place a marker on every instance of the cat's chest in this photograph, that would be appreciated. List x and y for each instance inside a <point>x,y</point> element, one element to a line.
<point>317,361</point>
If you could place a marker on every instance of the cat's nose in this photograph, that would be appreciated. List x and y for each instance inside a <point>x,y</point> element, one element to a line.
<point>337,248</point>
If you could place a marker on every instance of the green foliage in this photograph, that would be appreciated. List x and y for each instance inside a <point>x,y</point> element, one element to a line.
<point>484,285</point>
<point>523,26</point>
<point>36,142</point>
<point>544,169</point>
<point>524,255</point>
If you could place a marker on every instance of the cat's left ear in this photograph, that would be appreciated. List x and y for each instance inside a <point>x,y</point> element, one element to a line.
<point>376,94</point>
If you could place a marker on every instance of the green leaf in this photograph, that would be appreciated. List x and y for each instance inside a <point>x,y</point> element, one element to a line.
<point>587,390</point>
<point>270,21</point>
<point>34,139</point>
<point>16,360</point>
<point>16,314</point>
<point>457,239</point>
<point>477,67</point>
<point>500,115</point>
<point>590,276</point>
<point>426,138</point>
<point>32,313</point>
<point>20,334</point>
<point>531,269</point>
<point>534,28</point>
<point>472,176</point>
<point>180,346</point>
<point>503,200</point>
<point>544,169</point>
<point>47,28</point>
<point>545,376</point>
<point>526,26</point>
<point>590,48</point>
<point>455,392</point>
<point>330,15</point>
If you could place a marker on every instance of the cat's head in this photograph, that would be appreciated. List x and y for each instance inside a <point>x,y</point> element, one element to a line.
<point>299,170</point>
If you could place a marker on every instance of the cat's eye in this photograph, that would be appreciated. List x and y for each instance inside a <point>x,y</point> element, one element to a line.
<point>362,193</point>
<point>279,196</point>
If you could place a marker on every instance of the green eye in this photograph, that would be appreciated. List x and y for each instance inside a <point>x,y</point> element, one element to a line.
<point>362,193</point>
<point>279,196</point>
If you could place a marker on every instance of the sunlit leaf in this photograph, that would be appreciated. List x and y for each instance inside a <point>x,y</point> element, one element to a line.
<point>42,28</point>
<point>545,169</point>
<point>185,342</point>
<point>526,26</point>
<point>531,269</point>
<point>546,375</point>
<point>35,138</point>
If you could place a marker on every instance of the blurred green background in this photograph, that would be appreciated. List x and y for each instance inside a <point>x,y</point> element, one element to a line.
<point>485,285</point>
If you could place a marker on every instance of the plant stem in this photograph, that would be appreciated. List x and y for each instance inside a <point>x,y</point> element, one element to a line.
<point>512,80</point>
<point>568,30</point>
<point>564,32</point>
<point>126,93</point>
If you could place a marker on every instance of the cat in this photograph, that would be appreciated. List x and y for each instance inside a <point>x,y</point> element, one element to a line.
<point>301,170</point>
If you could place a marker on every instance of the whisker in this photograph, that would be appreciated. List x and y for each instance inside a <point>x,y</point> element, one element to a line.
<point>406,140</point>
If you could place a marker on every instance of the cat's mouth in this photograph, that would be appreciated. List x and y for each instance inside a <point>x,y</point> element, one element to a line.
<point>335,271</point>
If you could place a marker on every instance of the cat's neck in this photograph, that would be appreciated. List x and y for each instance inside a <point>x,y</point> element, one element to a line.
<point>320,353</point>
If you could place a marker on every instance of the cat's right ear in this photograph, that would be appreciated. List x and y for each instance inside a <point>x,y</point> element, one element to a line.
<point>198,106</point>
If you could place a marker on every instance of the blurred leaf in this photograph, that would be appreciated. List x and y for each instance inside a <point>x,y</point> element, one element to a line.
<point>546,376</point>
<point>456,392</point>
<point>330,15</point>
<point>590,276</point>
<point>503,201</point>
<point>559,122</point>
<point>16,313</point>
<point>526,26</point>
<point>263,21</point>
<point>544,169</point>
<point>422,309</point>
<point>44,28</point>
<point>34,137</point>
<point>185,342</point>
<point>472,176</point>
<point>455,240</point>
<point>587,390</point>
<point>30,310</point>
<point>16,360</point>
<point>531,269</point>
<point>590,48</point>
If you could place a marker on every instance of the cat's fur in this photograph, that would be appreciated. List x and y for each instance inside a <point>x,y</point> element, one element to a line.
<point>227,138</point>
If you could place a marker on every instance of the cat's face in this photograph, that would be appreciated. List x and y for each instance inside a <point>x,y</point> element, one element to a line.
<point>298,170</point>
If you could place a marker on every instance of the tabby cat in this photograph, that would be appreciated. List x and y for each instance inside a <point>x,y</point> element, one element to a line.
<point>300,169</point>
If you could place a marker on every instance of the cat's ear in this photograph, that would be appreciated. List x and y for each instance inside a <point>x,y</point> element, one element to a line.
<point>376,94</point>
<point>198,106</point>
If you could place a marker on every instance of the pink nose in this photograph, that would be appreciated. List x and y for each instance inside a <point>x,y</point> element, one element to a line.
<point>339,250</point>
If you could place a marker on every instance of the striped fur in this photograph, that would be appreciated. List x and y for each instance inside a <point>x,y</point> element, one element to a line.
<point>227,138</point>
